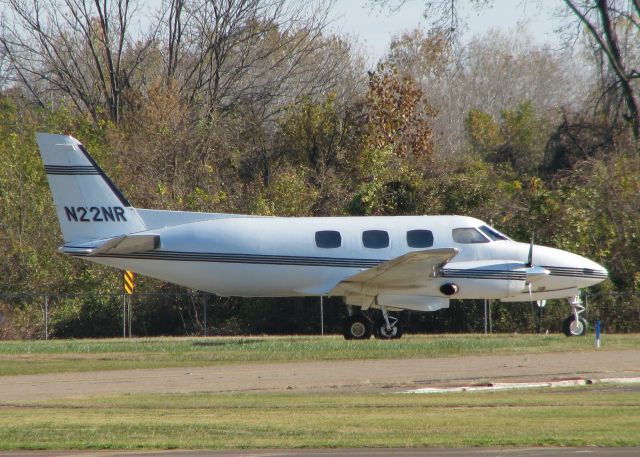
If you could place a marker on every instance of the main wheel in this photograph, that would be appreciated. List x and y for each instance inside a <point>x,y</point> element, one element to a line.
<point>357,328</point>
<point>382,332</point>
<point>573,327</point>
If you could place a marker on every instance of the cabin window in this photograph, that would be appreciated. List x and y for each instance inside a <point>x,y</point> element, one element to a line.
<point>328,239</point>
<point>375,239</point>
<point>419,238</point>
<point>493,233</point>
<point>468,236</point>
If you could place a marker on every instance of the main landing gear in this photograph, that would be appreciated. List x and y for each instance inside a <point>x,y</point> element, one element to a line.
<point>361,326</point>
<point>575,325</point>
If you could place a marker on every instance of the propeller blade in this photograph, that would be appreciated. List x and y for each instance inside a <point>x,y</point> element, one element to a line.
<point>530,258</point>
<point>534,273</point>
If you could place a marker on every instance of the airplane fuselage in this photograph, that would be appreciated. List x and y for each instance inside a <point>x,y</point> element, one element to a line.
<point>280,257</point>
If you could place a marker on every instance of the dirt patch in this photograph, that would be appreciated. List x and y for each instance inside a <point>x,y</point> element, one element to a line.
<point>356,375</point>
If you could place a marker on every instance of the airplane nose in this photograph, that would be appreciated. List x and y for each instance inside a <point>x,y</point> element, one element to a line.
<point>595,269</point>
<point>592,271</point>
<point>564,264</point>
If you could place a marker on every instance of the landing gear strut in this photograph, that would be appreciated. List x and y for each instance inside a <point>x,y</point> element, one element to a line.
<point>388,327</point>
<point>575,325</point>
<point>362,326</point>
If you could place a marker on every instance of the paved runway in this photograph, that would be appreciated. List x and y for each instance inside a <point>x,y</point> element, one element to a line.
<point>348,375</point>
<point>464,452</point>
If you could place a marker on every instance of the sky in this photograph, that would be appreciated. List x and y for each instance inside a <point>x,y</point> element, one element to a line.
<point>374,29</point>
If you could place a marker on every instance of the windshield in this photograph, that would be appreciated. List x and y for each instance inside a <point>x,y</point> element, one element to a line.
<point>493,233</point>
<point>468,235</point>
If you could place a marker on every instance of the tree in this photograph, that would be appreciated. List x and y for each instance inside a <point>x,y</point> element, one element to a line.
<point>396,144</point>
<point>79,49</point>
<point>602,20</point>
<point>494,72</point>
<point>444,14</point>
<point>606,22</point>
<point>234,53</point>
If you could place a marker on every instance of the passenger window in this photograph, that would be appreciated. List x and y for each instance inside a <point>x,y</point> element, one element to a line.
<point>328,239</point>
<point>468,236</point>
<point>375,239</point>
<point>419,238</point>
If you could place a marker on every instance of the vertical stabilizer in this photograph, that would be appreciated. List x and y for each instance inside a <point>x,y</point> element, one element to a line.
<point>88,204</point>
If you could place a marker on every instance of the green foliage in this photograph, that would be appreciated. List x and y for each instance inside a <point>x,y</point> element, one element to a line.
<point>573,182</point>
<point>517,140</point>
<point>314,134</point>
<point>288,195</point>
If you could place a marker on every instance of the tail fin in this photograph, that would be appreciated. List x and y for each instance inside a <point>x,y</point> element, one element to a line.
<point>88,204</point>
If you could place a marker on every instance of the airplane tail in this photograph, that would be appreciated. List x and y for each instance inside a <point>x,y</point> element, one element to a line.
<point>88,204</point>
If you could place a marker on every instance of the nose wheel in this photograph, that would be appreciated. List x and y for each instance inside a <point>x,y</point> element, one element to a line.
<point>575,325</point>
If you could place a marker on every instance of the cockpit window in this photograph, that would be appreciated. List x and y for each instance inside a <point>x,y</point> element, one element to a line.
<point>493,233</point>
<point>468,236</point>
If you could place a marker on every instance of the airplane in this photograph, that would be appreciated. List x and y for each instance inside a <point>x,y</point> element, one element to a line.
<point>382,263</point>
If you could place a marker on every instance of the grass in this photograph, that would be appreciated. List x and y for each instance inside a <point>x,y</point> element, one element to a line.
<point>587,416</point>
<point>34,357</point>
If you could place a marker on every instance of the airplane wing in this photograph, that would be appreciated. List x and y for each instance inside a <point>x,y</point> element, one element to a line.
<point>122,244</point>
<point>410,270</point>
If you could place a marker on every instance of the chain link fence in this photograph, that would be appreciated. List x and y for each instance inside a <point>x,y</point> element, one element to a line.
<point>95,315</point>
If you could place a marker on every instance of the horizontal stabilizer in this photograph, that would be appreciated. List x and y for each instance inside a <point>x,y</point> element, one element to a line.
<point>123,244</point>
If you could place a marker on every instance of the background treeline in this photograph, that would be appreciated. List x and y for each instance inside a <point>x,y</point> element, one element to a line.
<point>253,106</point>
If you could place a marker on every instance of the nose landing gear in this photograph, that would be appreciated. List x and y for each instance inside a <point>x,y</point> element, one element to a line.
<point>575,325</point>
<point>388,327</point>
<point>362,326</point>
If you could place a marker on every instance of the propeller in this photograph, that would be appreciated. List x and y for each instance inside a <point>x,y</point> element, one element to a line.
<point>529,263</point>
<point>533,273</point>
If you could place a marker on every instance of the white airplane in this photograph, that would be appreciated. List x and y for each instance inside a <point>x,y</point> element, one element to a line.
<point>383,263</point>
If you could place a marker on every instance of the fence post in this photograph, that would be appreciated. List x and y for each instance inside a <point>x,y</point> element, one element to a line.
<point>490,323</point>
<point>321,316</point>
<point>46,317</point>
<point>204,311</point>
<point>485,316</point>
<point>124,315</point>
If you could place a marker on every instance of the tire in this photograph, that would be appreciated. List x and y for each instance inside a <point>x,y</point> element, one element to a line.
<point>357,328</point>
<point>382,333</point>
<point>572,328</point>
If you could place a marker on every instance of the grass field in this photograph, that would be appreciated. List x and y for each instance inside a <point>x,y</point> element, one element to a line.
<point>32,357</point>
<point>585,416</point>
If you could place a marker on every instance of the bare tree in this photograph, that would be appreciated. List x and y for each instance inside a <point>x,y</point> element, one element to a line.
<point>229,53</point>
<point>605,21</point>
<point>494,72</point>
<point>4,70</point>
<point>444,15</point>
<point>602,20</point>
<point>80,49</point>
